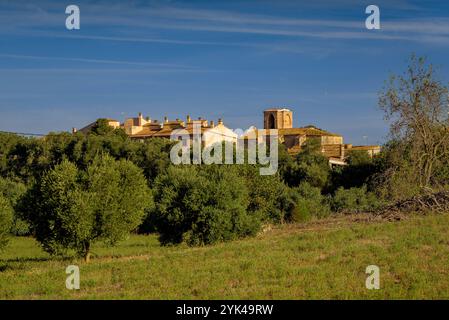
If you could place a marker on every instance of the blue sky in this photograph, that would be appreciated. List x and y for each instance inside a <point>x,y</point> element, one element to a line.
<point>215,59</point>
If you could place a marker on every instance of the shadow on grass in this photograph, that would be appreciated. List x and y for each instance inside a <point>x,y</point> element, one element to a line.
<point>27,259</point>
<point>18,263</point>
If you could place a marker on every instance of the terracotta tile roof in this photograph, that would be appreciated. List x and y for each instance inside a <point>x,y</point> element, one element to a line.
<point>364,147</point>
<point>309,131</point>
<point>164,132</point>
<point>145,132</point>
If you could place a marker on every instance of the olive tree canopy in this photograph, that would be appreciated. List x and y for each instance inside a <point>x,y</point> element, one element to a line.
<point>70,208</point>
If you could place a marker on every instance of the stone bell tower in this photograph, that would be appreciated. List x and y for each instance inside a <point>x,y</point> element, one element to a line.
<point>277,119</point>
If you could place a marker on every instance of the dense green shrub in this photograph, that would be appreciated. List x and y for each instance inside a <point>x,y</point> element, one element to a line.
<point>396,178</point>
<point>292,207</point>
<point>265,193</point>
<point>312,203</point>
<point>310,166</point>
<point>28,159</point>
<point>71,208</point>
<point>5,221</point>
<point>354,200</point>
<point>202,205</point>
<point>12,191</point>
<point>7,143</point>
<point>305,202</point>
<point>358,158</point>
<point>20,227</point>
<point>359,171</point>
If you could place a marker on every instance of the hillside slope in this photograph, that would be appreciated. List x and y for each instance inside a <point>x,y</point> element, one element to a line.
<point>326,259</point>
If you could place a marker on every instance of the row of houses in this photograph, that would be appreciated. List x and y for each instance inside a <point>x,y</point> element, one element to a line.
<point>281,119</point>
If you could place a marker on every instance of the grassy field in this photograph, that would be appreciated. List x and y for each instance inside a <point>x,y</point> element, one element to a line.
<point>316,260</point>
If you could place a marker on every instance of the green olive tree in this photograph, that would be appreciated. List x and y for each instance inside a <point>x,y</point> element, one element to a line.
<point>71,208</point>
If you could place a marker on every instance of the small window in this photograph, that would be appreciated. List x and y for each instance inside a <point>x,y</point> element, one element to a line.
<point>271,122</point>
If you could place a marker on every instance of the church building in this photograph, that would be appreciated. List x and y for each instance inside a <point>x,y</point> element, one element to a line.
<point>331,144</point>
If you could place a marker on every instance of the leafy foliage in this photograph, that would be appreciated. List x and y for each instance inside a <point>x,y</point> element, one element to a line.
<point>7,143</point>
<point>359,171</point>
<point>28,159</point>
<point>12,191</point>
<point>417,105</point>
<point>309,165</point>
<point>202,205</point>
<point>71,208</point>
<point>266,193</point>
<point>5,221</point>
<point>102,128</point>
<point>354,200</point>
<point>79,181</point>
<point>312,204</point>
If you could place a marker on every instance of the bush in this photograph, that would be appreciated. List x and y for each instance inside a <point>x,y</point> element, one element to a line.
<point>306,202</point>
<point>5,221</point>
<point>265,193</point>
<point>313,202</point>
<point>310,166</point>
<point>202,205</point>
<point>71,208</point>
<point>12,191</point>
<point>359,171</point>
<point>19,227</point>
<point>354,200</point>
<point>8,142</point>
<point>28,159</point>
<point>292,206</point>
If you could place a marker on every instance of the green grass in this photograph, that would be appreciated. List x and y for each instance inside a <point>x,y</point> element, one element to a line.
<point>316,260</point>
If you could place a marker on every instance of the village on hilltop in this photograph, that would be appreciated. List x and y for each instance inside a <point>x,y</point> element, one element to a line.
<point>332,145</point>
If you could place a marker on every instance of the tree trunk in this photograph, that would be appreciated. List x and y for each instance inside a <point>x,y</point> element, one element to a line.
<point>87,252</point>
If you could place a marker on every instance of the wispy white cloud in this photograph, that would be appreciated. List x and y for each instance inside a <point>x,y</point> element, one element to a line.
<point>146,40</point>
<point>420,26</point>
<point>326,34</point>
<point>96,61</point>
<point>34,19</point>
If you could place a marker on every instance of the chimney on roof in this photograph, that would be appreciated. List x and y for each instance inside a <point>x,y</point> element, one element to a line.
<point>220,121</point>
<point>212,124</point>
<point>165,119</point>
<point>189,119</point>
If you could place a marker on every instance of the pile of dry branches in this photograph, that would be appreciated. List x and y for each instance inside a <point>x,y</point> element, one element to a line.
<point>429,202</point>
